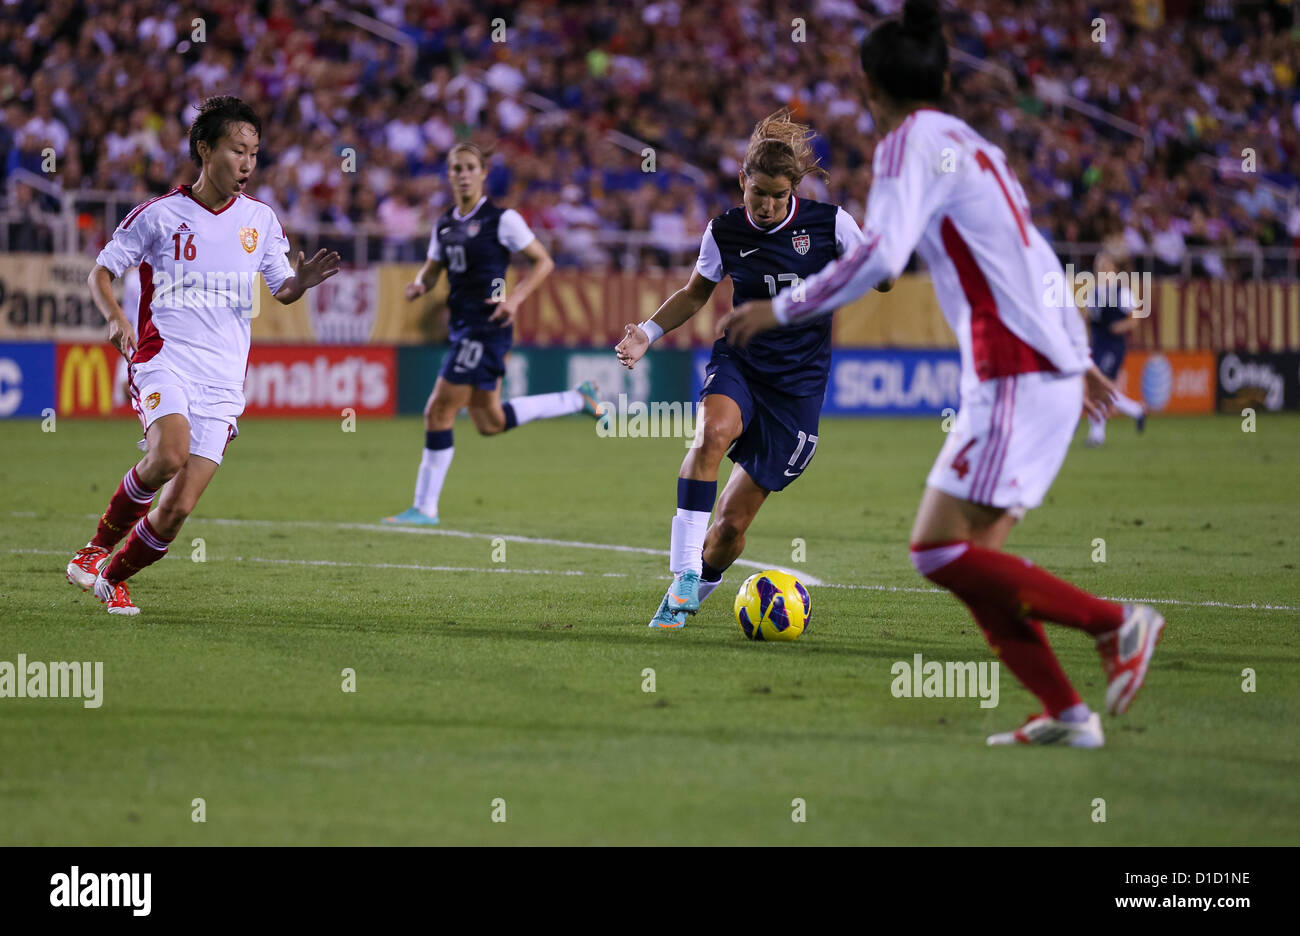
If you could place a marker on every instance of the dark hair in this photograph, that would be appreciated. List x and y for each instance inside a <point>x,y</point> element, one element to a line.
<point>216,114</point>
<point>908,58</point>
<point>780,147</point>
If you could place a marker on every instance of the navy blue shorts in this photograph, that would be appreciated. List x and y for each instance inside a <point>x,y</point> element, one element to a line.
<point>780,434</point>
<point>478,359</point>
<point>1108,357</point>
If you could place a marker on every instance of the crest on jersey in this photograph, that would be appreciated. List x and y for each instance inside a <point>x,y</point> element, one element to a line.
<point>801,243</point>
<point>248,238</point>
<point>152,401</point>
<point>472,230</point>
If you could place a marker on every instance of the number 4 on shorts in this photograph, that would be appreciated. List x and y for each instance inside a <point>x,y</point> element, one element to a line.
<point>960,464</point>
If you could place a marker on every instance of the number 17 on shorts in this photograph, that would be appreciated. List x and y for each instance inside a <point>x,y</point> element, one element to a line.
<point>808,442</point>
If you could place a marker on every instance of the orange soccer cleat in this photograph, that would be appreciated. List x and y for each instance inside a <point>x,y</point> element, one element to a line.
<point>85,565</point>
<point>1126,653</point>
<point>115,596</point>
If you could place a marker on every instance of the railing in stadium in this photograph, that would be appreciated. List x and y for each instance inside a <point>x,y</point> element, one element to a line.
<point>85,218</point>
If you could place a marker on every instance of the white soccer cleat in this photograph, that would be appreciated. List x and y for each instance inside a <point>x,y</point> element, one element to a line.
<point>85,565</point>
<point>1126,654</point>
<point>1043,729</point>
<point>115,596</point>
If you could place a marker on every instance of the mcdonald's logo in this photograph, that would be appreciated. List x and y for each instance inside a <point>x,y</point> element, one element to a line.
<point>85,381</point>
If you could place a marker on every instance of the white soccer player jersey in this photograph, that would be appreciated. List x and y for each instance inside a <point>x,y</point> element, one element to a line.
<point>941,189</point>
<point>198,280</point>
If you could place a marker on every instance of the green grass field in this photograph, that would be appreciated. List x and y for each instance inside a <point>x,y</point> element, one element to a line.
<point>478,679</point>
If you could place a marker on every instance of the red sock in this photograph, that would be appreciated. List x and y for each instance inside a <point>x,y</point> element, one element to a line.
<point>1019,588</point>
<point>130,502</point>
<point>143,547</point>
<point>1022,647</point>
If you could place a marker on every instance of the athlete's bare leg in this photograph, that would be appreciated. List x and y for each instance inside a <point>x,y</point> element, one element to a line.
<point>737,507</point>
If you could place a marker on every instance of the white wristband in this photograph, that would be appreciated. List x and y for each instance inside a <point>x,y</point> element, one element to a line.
<point>651,330</point>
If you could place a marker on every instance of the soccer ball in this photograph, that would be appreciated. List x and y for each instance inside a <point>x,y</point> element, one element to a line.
<point>773,605</point>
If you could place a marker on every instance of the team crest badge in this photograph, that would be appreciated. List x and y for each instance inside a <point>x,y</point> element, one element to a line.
<point>152,401</point>
<point>801,243</point>
<point>472,230</point>
<point>248,239</point>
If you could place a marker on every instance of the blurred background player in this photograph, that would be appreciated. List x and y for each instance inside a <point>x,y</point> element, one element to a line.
<point>199,249</point>
<point>765,398</point>
<point>1025,374</point>
<point>1110,321</point>
<point>473,241</point>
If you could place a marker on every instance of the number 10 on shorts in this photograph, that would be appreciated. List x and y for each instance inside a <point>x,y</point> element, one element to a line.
<point>804,440</point>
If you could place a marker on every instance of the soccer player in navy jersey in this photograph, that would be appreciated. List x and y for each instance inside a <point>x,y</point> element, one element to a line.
<point>1026,373</point>
<point>1110,321</point>
<point>473,242</point>
<point>765,398</point>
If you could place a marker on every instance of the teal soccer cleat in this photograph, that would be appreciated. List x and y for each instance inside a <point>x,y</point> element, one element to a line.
<point>667,618</point>
<point>683,598</point>
<point>684,593</point>
<point>413,517</point>
<point>591,405</point>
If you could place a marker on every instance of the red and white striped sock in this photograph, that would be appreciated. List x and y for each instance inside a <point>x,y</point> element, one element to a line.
<point>130,502</point>
<point>1014,585</point>
<point>143,547</point>
<point>1022,647</point>
<point>1006,595</point>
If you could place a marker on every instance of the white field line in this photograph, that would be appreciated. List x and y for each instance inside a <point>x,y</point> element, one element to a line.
<point>386,528</point>
<point>1253,606</point>
<point>438,531</point>
<point>360,565</point>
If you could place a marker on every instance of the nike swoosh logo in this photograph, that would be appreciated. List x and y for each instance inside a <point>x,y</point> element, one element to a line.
<point>746,253</point>
<point>678,600</point>
<point>790,474</point>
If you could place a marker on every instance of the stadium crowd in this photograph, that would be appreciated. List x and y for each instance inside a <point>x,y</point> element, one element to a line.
<point>356,126</point>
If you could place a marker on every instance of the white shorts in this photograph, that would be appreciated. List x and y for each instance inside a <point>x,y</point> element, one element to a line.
<point>1009,440</point>
<point>213,412</point>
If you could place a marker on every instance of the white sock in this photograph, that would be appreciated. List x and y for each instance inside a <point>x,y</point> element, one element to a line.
<point>545,405</point>
<point>706,588</point>
<point>1130,408</point>
<point>1075,714</point>
<point>1096,429</point>
<point>686,545</point>
<point>428,483</point>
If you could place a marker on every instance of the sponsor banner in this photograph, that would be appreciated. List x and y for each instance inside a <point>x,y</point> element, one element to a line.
<point>663,375</point>
<point>1218,315</point>
<point>320,381</point>
<point>90,381</point>
<point>1169,382</point>
<point>886,382</point>
<point>897,382</point>
<point>26,379</point>
<point>1258,381</point>
<point>44,297</point>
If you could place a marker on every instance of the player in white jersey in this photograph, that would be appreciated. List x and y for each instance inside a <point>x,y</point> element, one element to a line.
<point>941,189</point>
<point>199,249</point>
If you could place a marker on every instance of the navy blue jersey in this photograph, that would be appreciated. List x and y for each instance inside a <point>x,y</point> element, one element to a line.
<point>762,263</point>
<point>475,250</point>
<point>1100,319</point>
